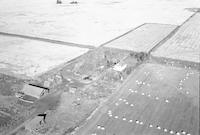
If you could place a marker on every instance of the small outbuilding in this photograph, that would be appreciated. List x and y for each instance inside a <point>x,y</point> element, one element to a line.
<point>32,91</point>
<point>120,67</point>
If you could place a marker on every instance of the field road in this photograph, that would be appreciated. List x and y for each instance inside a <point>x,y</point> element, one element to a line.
<point>154,100</point>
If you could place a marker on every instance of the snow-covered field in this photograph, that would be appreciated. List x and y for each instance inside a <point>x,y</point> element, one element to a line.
<point>144,38</point>
<point>90,22</point>
<point>184,44</point>
<point>29,58</point>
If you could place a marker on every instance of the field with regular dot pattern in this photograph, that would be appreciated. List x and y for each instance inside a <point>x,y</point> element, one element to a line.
<point>155,100</point>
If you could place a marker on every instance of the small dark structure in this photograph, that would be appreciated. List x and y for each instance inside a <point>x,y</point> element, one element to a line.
<point>74,2</point>
<point>59,2</point>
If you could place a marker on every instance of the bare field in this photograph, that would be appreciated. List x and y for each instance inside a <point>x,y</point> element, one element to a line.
<point>155,100</point>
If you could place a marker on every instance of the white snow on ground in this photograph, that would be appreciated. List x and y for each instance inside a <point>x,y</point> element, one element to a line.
<point>184,44</point>
<point>144,38</point>
<point>30,58</point>
<point>90,22</point>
